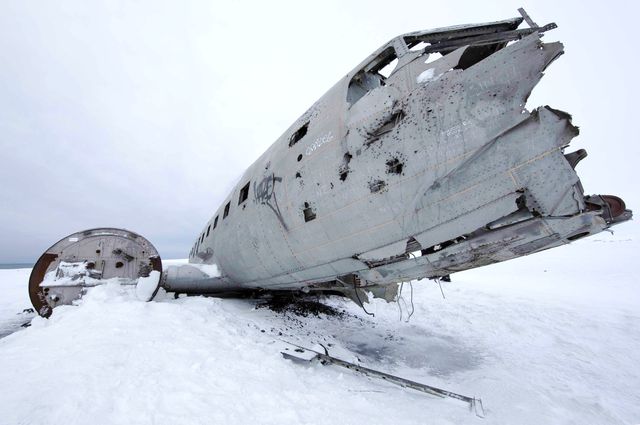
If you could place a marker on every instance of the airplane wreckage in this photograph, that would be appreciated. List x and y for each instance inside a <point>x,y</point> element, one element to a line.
<point>421,162</point>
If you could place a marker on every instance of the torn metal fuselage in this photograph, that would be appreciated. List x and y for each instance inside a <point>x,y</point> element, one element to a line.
<point>411,168</point>
<point>420,162</point>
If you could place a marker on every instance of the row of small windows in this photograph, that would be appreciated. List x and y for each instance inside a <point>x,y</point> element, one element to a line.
<point>308,211</point>
<point>361,84</point>
<point>244,192</point>
<point>244,195</point>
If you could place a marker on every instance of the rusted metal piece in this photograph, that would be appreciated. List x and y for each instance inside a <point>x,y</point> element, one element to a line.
<point>616,205</point>
<point>36,293</point>
<point>611,208</point>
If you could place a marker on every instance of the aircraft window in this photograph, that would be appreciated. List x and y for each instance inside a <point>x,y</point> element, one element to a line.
<point>202,238</point>
<point>388,68</point>
<point>226,210</point>
<point>372,76</point>
<point>309,213</point>
<point>215,222</point>
<point>298,135</point>
<point>208,230</point>
<point>394,166</point>
<point>244,193</point>
<point>417,45</point>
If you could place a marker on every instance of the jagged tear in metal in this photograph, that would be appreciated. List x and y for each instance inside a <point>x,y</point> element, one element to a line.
<point>407,168</point>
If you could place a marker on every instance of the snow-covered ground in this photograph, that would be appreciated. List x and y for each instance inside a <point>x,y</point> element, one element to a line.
<point>553,338</point>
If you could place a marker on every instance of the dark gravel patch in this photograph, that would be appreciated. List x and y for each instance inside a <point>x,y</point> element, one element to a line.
<point>300,307</point>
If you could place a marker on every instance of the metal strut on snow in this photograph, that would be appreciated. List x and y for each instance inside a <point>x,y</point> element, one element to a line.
<point>475,404</point>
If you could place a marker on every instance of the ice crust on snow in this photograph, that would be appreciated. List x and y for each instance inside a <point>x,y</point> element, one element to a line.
<point>548,338</point>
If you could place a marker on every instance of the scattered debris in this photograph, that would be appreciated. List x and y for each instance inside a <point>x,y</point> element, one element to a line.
<point>394,166</point>
<point>344,169</point>
<point>309,212</point>
<point>300,307</point>
<point>302,354</point>
<point>377,185</point>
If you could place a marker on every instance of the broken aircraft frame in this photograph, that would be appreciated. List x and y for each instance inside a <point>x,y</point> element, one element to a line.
<point>408,168</point>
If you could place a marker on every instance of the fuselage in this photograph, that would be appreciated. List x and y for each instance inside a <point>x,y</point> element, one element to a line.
<point>408,168</point>
<point>412,166</point>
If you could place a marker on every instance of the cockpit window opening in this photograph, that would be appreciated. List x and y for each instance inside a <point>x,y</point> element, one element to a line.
<point>382,61</point>
<point>417,45</point>
<point>373,75</point>
<point>386,70</point>
<point>432,57</point>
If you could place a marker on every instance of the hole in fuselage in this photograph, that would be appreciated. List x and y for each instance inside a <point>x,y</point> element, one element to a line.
<point>298,135</point>
<point>308,212</point>
<point>394,166</point>
<point>344,167</point>
<point>377,185</point>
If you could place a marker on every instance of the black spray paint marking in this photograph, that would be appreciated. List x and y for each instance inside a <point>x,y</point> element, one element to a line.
<point>264,193</point>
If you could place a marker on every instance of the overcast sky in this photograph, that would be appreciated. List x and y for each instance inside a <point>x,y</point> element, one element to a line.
<point>143,114</point>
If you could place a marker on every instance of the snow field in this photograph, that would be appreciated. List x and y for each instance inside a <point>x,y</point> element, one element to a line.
<point>551,338</point>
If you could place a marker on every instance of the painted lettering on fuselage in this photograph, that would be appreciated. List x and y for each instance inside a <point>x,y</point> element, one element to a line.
<point>319,142</point>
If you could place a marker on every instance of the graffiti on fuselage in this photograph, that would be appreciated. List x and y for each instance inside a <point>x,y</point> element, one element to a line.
<point>264,194</point>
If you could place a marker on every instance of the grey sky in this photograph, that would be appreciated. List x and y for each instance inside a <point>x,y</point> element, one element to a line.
<point>143,114</point>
